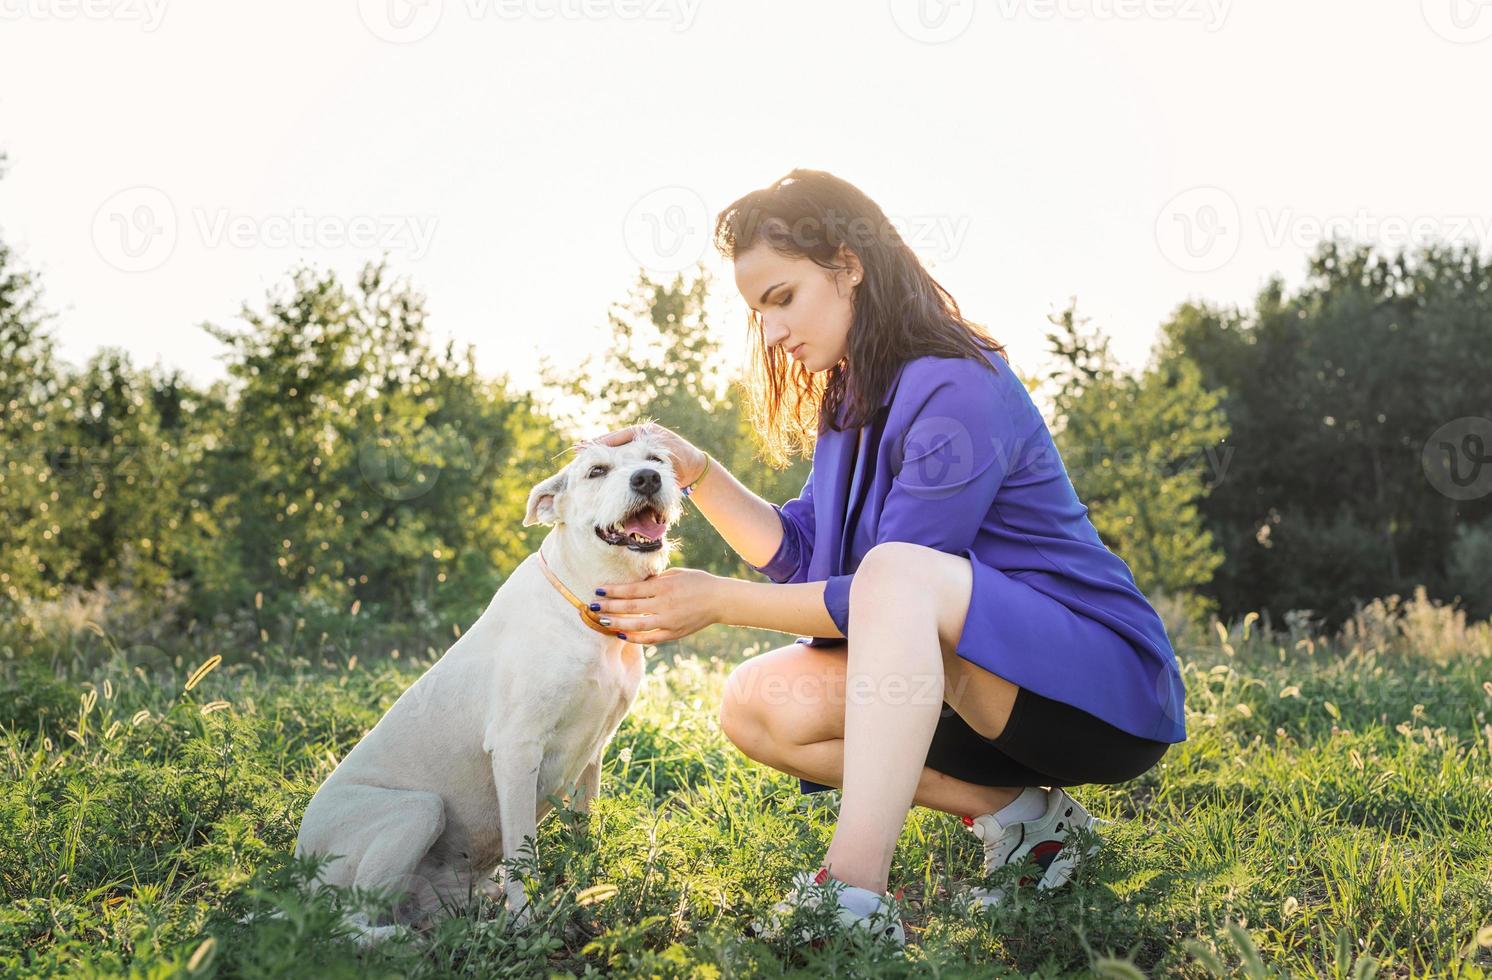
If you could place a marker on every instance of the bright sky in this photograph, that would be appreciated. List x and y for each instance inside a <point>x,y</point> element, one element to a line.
<point>520,159</point>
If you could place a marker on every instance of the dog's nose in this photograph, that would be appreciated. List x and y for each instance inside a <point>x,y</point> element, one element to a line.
<point>646,482</point>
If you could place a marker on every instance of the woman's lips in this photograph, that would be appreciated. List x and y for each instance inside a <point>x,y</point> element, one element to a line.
<point>794,351</point>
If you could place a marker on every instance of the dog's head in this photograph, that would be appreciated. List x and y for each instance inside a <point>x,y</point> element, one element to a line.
<point>621,499</point>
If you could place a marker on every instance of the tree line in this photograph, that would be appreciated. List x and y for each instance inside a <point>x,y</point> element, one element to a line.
<point>1311,451</point>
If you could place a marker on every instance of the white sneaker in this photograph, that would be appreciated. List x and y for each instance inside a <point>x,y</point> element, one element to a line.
<point>857,908</point>
<point>1046,838</point>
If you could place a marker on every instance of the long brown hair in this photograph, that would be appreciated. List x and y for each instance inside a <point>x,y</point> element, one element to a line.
<point>900,311</point>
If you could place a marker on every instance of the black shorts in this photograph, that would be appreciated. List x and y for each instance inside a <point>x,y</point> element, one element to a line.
<point>1044,743</point>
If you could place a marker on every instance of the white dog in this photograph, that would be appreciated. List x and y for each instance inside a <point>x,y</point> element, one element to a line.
<point>455,776</point>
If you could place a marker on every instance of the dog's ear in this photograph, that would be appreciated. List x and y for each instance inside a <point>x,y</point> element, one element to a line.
<point>542,498</point>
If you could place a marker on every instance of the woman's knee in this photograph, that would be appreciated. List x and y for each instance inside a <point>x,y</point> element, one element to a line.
<point>767,699</point>
<point>898,575</point>
<point>738,717</point>
<point>887,567</point>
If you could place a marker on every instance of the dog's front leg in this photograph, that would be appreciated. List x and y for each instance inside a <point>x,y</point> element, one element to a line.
<point>590,785</point>
<point>515,772</point>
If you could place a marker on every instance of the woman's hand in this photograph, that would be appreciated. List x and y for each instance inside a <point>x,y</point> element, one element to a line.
<point>662,607</point>
<point>688,460</point>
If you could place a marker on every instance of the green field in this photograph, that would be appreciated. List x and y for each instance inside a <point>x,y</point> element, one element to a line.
<point>1330,815</point>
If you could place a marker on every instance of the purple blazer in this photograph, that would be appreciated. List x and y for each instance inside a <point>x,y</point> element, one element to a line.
<point>958,458</point>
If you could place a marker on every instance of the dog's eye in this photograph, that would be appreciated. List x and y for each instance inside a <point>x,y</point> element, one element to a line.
<point>593,473</point>
<point>656,459</point>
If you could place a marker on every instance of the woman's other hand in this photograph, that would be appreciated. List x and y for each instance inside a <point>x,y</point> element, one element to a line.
<point>688,460</point>
<point>672,604</point>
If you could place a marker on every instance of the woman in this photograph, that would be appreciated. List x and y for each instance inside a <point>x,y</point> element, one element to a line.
<point>969,643</point>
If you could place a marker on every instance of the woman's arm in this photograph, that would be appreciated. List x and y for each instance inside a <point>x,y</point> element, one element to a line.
<point>748,523</point>
<point>798,608</point>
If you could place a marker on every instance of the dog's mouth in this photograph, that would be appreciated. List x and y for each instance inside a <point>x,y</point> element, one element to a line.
<point>641,530</point>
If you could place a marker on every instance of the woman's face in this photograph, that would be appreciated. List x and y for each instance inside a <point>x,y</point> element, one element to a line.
<point>803,306</point>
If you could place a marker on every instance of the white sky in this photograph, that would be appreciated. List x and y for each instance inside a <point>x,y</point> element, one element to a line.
<point>510,152</point>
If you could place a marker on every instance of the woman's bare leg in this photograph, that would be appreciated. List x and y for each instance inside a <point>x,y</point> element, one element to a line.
<point>787,708</point>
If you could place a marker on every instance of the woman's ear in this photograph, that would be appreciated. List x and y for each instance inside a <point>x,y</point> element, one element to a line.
<point>543,500</point>
<point>850,262</point>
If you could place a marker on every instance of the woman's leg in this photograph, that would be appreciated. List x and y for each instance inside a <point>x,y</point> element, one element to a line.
<point>907,610</point>
<point>785,709</point>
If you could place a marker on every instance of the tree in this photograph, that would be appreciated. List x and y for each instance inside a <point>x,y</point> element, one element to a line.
<point>1135,448</point>
<point>33,559</point>
<point>1332,396</point>
<point>662,364</point>
<point>360,462</point>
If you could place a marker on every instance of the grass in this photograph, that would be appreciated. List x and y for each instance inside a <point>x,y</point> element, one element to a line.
<point>1329,816</point>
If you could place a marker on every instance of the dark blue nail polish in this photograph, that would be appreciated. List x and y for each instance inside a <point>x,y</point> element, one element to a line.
<point>621,636</point>
<point>600,592</point>
<point>595,607</point>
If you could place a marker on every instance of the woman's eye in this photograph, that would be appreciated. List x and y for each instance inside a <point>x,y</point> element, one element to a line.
<point>787,299</point>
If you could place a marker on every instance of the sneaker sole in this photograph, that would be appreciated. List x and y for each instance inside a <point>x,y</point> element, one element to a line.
<point>1062,867</point>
